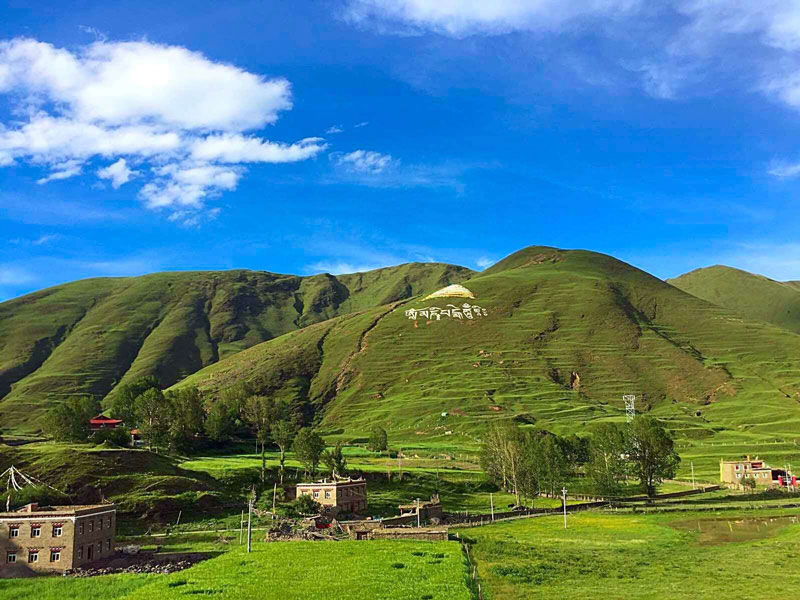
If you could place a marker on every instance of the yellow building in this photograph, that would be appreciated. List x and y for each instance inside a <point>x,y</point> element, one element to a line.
<point>736,471</point>
<point>341,495</point>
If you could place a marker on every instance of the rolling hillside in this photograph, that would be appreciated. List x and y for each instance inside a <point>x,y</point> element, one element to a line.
<point>754,296</point>
<point>564,334</point>
<point>88,336</point>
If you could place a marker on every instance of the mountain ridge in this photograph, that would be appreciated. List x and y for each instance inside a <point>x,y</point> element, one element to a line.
<point>87,337</point>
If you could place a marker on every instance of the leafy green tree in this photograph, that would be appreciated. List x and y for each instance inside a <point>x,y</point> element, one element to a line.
<point>378,440</point>
<point>553,464</point>
<point>222,415</point>
<point>652,453</point>
<point>607,464</point>
<point>186,417</point>
<point>121,436</point>
<point>335,461</point>
<point>69,421</point>
<point>308,447</point>
<point>503,456</point>
<point>153,416</point>
<point>748,483</point>
<point>123,400</point>
<point>283,433</point>
<point>260,412</point>
<point>304,505</point>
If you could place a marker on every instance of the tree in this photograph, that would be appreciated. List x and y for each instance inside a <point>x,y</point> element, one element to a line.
<point>123,400</point>
<point>553,464</point>
<point>748,483</point>
<point>308,447</point>
<point>502,456</point>
<point>221,417</point>
<point>378,440</point>
<point>607,464</point>
<point>335,461</point>
<point>186,417</point>
<point>652,453</point>
<point>69,421</point>
<point>153,416</point>
<point>260,412</point>
<point>283,433</point>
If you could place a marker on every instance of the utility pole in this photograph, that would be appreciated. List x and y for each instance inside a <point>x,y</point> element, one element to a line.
<point>491,501</point>
<point>564,498</point>
<point>694,487</point>
<point>241,527</point>
<point>274,494</point>
<point>417,512</point>
<point>249,520</point>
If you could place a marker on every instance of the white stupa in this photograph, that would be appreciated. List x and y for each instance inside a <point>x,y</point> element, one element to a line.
<point>452,291</point>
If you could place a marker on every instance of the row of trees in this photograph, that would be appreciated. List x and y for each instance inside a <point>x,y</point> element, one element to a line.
<point>179,420</point>
<point>529,462</point>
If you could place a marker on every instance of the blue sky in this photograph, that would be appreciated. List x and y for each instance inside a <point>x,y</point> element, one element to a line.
<point>302,137</point>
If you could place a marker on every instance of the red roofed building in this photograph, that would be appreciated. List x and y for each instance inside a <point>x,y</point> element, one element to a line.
<point>103,422</point>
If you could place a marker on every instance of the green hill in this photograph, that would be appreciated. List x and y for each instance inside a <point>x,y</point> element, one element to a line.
<point>88,336</point>
<point>565,334</point>
<point>754,296</point>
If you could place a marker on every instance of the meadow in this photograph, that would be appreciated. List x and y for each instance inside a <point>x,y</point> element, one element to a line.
<point>638,556</point>
<point>400,570</point>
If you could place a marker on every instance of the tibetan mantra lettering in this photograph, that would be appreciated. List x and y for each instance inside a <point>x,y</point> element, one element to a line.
<point>434,313</point>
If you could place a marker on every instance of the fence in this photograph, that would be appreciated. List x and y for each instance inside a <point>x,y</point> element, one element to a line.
<point>485,519</point>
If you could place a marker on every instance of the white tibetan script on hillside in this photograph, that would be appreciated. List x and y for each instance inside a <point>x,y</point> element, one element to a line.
<point>434,313</point>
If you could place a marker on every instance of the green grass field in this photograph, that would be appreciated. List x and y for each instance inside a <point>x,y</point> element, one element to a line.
<point>396,570</point>
<point>655,556</point>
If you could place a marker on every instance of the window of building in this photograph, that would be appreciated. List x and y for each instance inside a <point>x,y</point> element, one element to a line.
<point>56,530</point>
<point>55,555</point>
<point>36,532</point>
<point>33,556</point>
<point>99,547</point>
<point>11,557</point>
<point>80,528</point>
<point>13,531</point>
<point>327,493</point>
<point>108,544</point>
<point>91,526</point>
<point>80,551</point>
<point>316,494</point>
<point>739,475</point>
<point>100,523</point>
<point>109,522</point>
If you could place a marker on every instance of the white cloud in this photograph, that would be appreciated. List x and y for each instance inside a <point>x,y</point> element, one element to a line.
<point>45,239</point>
<point>65,170</point>
<point>118,173</point>
<point>334,129</point>
<point>141,102</point>
<point>228,148</point>
<point>461,18</point>
<point>337,267</point>
<point>362,124</point>
<point>484,262</point>
<point>364,161</point>
<point>785,170</point>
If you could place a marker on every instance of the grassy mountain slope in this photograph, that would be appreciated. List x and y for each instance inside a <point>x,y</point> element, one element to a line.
<point>754,296</point>
<point>89,336</point>
<point>551,313</point>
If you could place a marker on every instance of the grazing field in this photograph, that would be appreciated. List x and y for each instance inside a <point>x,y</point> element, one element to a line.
<point>394,570</point>
<point>634,556</point>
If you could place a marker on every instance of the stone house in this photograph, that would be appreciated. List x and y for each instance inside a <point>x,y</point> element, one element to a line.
<point>339,495</point>
<point>55,539</point>
<point>736,471</point>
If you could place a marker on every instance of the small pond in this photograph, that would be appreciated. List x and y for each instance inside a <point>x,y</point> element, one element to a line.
<point>722,530</point>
